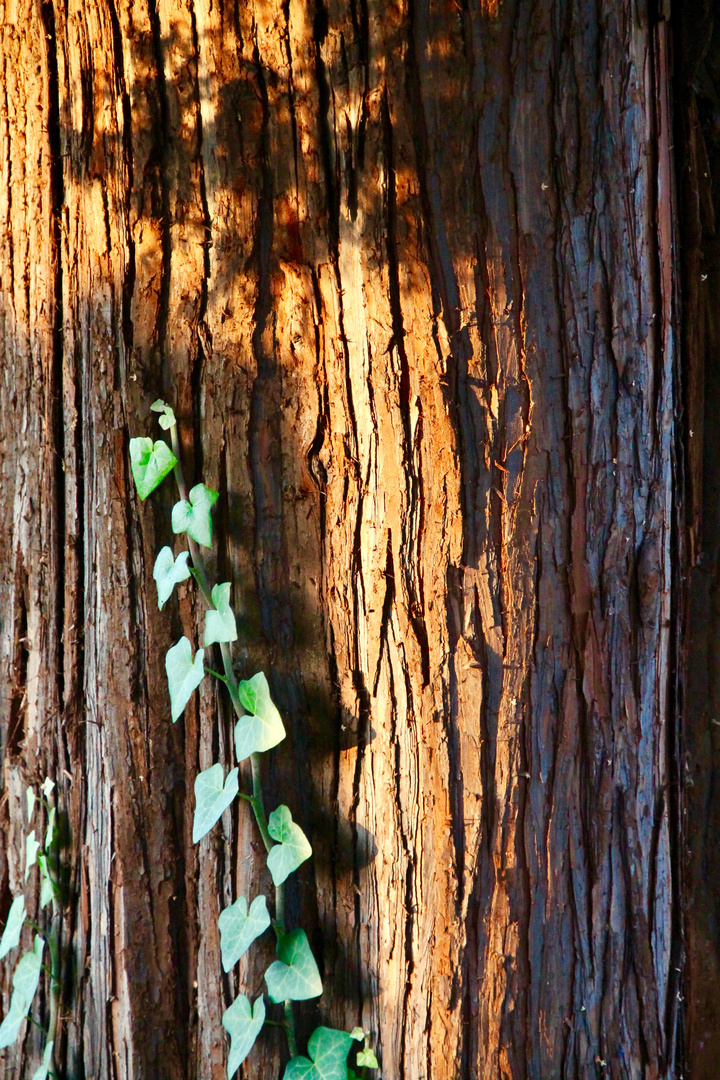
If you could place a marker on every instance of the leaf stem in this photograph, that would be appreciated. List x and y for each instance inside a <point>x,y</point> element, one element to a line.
<point>256,800</point>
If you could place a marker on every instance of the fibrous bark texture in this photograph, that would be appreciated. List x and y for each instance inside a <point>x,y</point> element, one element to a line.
<point>404,271</point>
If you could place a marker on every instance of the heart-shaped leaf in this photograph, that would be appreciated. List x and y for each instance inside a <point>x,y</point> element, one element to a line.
<point>25,980</point>
<point>262,728</point>
<point>150,464</point>
<point>168,572</point>
<point>220,624</point>
<point>292,849</point>
<point>167,417</point>
<point>194,516</point>
<point>47,787</point>
<point>32,846</point>
<point>294,975</point>
<point>47,889</point>
<point>239,928</point>
<point>42,1072</point>
<point>13,926</point>
<point>242,1024</point>
<point>366,1059</point>
<point>212,798</point>
<point>329,1050</point>
<point>184,674</point>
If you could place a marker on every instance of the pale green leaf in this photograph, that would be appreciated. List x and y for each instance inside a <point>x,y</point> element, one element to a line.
<point>168,572</point>
<point>158,406</point>
<point>294,975</point>
<point>48,786</point>
<point>184,674</point>
<point>366,1059</point>
<point>25,980</point>
<point>30,796</point>
<point>239,928</point>
<point>262,728</point>
<point>13,926</point>
<point>212,798</point>
<point>47,889</point>
<point>220,624</point>
<point>167,420</point>
<point>150,464</point>
<point>42,1072</point>
<point>194,516</point>
<point>328,1049</point>
<point>32,846</point>
<point>242,1024</point>
<point>358,1033</point>
<point>292,849</point>
<point>13,1020</point>
<point>50,831</point>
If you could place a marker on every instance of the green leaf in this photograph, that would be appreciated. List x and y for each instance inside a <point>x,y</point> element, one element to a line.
<point>32,846</point>
<point>30,796</point>
<point>184,674</point>
<point>158,406</point>
<point>50,831</point>
<point>238,928</point>
<point>220,624</point>
<point>242,1024</point>
<point>25,980</point>
<point>263,727</point>
<point>194,516</point>
<point>292,849</point>
<point>13,926</point>
<point>212,798</point>
<point>329,1050</point>
<point>168,572</point>
<point>366,1059</point>
<point>294,975</point>
<point>168,416</point>
<point>42,1072</point>
<point>150,464</point>
<point>47,889</point>
<point>358,1034</point>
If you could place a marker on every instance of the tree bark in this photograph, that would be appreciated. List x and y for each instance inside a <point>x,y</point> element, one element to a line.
<point>405,271</point>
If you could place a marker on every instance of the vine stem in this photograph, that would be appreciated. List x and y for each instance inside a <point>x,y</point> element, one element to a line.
<point>53,940</point>
<point>256,799</point>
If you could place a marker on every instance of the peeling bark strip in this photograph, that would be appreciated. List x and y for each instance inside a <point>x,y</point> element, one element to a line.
<point>404,270</point>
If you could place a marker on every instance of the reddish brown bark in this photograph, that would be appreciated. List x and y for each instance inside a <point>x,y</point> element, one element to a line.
<point>405,270</point>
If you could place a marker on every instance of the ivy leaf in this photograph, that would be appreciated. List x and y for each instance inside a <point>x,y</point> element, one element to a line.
<point>220,624</point>
<point>32,846</point>
<point>30,796</point>
<point>242,1024</point>
<point>292,849</point>
<point>212,798</point>
<point>150,464</point>
<point>158,406</point>
<point>13,926</point>
<point>47,889</point>
<point>238,928</point>
<point>294,975</point>
<point>184,674</point>
<point>329,1050</point>
<point>358,1034</point>
<point>42,1072</point>
<point>50,832</point>
<point>167,419</point>
<point>194,516</point>
<point>263,727</point>
<point>366,1059</point>
<point>47,787</point>
<point>168,572</point>
<point>25,980</point>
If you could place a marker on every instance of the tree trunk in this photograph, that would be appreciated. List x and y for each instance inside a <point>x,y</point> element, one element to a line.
<point>405,271</point>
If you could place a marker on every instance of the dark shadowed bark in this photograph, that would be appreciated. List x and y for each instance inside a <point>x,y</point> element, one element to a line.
<point>406,271</point>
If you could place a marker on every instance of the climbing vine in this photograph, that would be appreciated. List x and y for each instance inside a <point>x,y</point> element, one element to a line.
<point>294,975</point>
